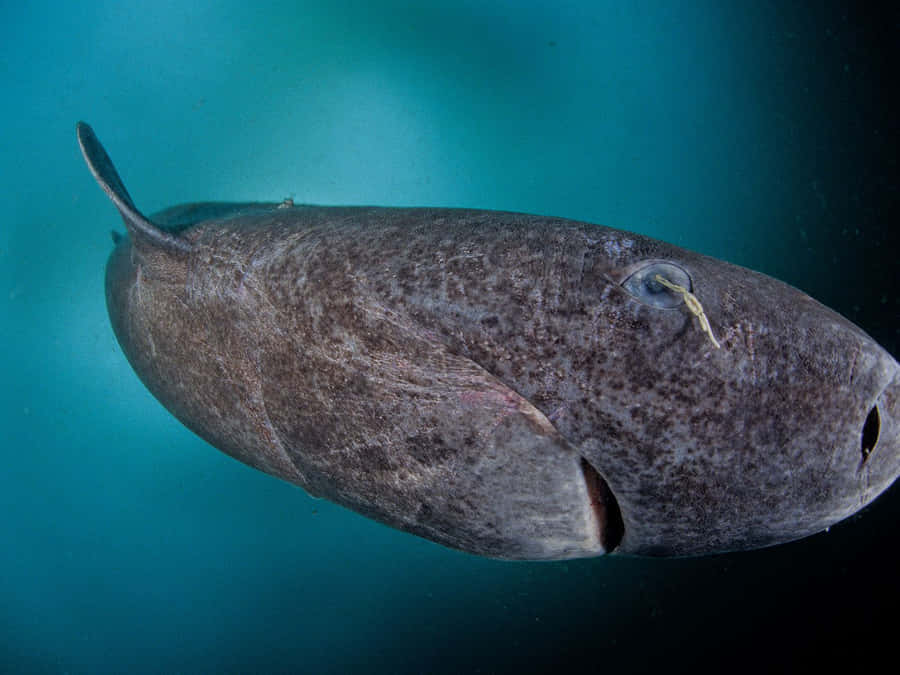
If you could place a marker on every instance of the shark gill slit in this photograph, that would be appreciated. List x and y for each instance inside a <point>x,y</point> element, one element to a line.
<point>606,508</point>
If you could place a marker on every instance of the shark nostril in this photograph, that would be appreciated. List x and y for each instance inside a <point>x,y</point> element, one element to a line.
<point>606,508</point>
<point>870,430</point>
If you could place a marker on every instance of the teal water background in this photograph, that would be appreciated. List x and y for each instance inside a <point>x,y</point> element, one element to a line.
<point>752,131</point>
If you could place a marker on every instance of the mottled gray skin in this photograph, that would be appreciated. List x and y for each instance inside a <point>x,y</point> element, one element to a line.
<point>483,380</point>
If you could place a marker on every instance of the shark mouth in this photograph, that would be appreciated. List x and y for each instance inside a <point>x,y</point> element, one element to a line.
<point>610,528</point>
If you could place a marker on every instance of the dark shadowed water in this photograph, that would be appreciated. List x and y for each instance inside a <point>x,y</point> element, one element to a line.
<point>749,131</point>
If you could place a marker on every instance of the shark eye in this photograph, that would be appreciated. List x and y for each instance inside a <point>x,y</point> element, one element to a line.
<point>642,284</point>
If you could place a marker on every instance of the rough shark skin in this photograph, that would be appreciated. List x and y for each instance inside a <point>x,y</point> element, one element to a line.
<point>498,382</point>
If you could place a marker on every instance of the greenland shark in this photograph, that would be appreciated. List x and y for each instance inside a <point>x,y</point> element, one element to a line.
<point>509,385</point>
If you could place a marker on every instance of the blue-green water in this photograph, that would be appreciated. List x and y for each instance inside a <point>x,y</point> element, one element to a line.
<point>748,131</point>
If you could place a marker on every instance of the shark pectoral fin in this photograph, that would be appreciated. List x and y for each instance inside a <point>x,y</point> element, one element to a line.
<point>383,418</point>
<point>142,230</point>
<point>528,484</point>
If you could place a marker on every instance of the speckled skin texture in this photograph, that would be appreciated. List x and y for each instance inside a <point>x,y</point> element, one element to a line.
<point>447,372</point>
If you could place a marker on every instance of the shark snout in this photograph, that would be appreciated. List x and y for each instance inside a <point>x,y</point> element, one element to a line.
<point>879,438</point>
